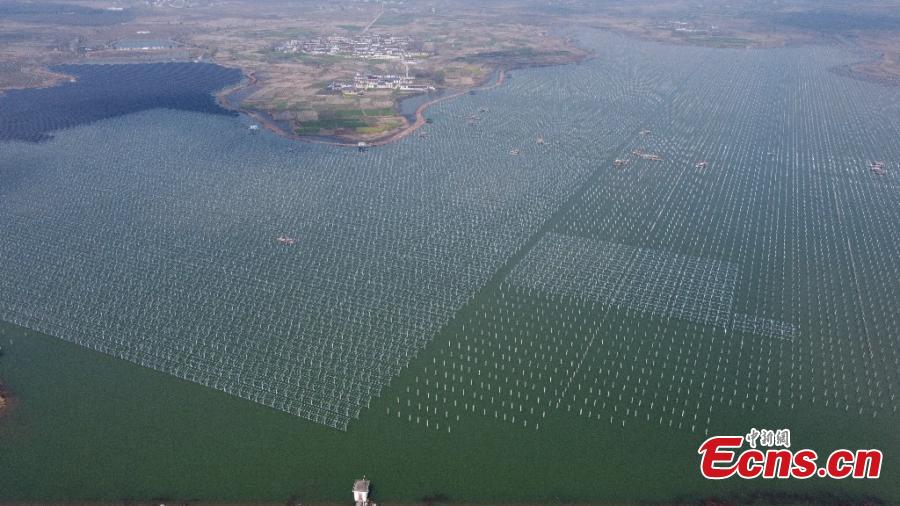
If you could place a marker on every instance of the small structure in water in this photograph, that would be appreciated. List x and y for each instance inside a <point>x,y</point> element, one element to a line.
<point>646,156</point>
<point>361,492</point>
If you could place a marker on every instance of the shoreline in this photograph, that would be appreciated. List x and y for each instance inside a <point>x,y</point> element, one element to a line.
<point>223,98</point>
<point>51,79</point>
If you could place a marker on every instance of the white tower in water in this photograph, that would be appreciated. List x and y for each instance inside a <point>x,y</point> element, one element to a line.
<point>361,492</point>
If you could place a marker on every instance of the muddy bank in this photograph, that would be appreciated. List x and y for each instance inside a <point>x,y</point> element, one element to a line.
<point>868,72</point>
<point>18,76</point>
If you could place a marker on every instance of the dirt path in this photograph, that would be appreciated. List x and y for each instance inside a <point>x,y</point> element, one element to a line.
<point>380,13</point>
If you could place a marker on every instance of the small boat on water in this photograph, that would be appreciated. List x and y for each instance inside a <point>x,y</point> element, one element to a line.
<point>514,152</point>
<point>619,163</point>
<point>877,167</point>
<point>702,164</point>
<point>286,240</point>
<point>646,156</point>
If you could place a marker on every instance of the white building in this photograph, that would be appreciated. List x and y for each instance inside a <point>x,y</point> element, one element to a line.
<point>361,492</point>
<point>365,82</point>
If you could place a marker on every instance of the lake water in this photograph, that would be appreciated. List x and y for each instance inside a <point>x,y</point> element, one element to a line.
<point>455,320</point>
<point>105,91</point>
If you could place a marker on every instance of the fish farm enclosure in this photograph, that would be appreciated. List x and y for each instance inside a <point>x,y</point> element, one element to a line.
<point>475,277</point>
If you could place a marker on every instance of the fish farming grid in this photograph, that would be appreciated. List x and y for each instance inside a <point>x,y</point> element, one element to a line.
<point>669,285</point>
<point>763,326</point>
<point>158,246</point>
<point>138,296</point>
<point>168,258</point>
<point>786,206</point>
<point>527,356</point>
